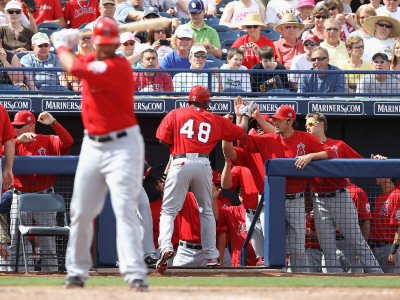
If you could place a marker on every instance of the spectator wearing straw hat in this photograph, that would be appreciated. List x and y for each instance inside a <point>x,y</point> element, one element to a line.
<point>251,43</point>
<point>384,28</point>
<point>289,45</point>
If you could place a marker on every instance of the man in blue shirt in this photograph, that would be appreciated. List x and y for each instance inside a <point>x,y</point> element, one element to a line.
<point>42,58</point>
<point>129,11</point>
<point>324,83</point>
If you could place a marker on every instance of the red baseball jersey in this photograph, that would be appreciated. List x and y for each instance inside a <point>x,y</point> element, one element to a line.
<point>107,94</point>
<point>46,10</point>
<point>159,82</point>
<point>7,131</point>
<point>78,12</point>
<point>250,57</point>
<point>272,145</point>
<point>360,199</point>
<point>310,223</point>
<point>155,207</point>
<point>382,225</point>
<point>254,162</point>
<point>340,150</point>
<point>241,177</point>
<point>195,130</point>
<point>394,209</point>
<point>189,221</point>
<point>44,145</point>
<point>223,202</point>
<point>234,218</point>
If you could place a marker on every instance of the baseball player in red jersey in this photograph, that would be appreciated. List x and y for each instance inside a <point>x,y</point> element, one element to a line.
<point>290,143</point>
<point>28,143</point>
<point>191,133</point>
<point>334,207</point>
<point>385,226</point>
<point>112,154</point>
<point>7,134</point>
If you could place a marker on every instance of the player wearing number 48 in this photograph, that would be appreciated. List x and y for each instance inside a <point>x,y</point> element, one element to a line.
<point>191,133</point>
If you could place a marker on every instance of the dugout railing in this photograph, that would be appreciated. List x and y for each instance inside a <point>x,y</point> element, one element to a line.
<point>365,171</point>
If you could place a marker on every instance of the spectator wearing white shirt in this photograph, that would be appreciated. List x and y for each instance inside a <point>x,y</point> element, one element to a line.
<point>391,8</point>
<point>276,9</point>
<point>235,80</point>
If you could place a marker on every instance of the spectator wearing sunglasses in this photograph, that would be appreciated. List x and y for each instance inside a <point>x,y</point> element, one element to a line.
<point>183,82</point>
<point>30,23</point>
<point>131,49</point>
<point>379,83</point>
<point>355,48</point>
<point>160,40</point>
<point>384,30</point>
<point>322,83</point>
<point>15,37</point>
<point>336,48</point>
<point>205,35</point>
<point>319,15</point>
<point>390,8</point>
<point>303,61</point>
<point>235,12</point>
<point>362,13</point>
<point>251,43</point>
<point>42,58</point>
<point>289,45</point>
<point>346,20</point>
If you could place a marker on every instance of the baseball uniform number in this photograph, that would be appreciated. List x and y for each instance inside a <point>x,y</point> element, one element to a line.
<point>203,134</point>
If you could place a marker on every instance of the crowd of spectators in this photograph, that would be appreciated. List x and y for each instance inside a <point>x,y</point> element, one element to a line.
<point>350,39</point>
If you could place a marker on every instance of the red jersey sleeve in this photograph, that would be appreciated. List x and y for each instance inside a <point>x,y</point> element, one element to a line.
<point>7,131</point>
<point>394,208</point>
<point>63,141</point>
<point>165,130</point>
<point>230,131</point>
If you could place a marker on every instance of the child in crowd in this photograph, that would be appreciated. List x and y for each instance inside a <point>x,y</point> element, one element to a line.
<point>265,81</point>
<point>240,81</point>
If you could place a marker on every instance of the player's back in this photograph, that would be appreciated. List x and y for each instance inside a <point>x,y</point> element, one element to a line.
<point>195,130</point>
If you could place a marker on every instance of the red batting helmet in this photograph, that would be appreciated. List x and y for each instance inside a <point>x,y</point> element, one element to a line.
<point>105,31</point>
<point>199,93</point>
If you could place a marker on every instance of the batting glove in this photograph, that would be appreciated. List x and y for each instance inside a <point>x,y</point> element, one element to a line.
<point>252,106</point>
<point>66,38</point>
<point>245,110</point>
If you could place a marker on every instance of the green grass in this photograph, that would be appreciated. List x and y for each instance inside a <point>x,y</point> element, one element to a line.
<point>367,282</point>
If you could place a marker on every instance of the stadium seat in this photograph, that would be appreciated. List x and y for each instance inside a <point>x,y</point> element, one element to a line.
<point>55,88</point>
<point>20,55</point>
<point>214,62</point>
<point>165,15</point>
<point>225,46</point>
<point>270,33</point>
<point>221,5</point>
<point>183,21</point>
<point>83,25</point>
<point>8,87</point>
<point>211,20</point>
<point>40,204</point>
<point>225,33</point>
<point>48,27</point>
<point>282,93</point>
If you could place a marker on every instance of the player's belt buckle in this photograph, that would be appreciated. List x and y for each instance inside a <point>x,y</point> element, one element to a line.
<point>107,138</point>
<point>190,246</point>
<point>294,196</point>
<point>183,155</point>
<point>330,195</point>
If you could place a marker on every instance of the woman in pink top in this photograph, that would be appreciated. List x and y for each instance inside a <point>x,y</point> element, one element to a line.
<point>251,43</point>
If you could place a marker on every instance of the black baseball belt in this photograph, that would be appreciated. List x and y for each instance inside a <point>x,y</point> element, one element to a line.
<point>190,245</point>
<point>107,138</point>
<point>184,155</point>
<point>330,195</point>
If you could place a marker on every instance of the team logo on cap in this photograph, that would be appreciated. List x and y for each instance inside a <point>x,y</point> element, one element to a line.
<point>29,119</point>
<point>290,115</point>
<point>193,5</point>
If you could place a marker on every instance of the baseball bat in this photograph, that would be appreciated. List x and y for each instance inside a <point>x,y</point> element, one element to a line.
<point>143,25</point>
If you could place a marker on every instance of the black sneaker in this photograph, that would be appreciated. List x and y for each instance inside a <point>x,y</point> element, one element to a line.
<point>150,261</point>
<point>73,282</point>
<point>138,285</point>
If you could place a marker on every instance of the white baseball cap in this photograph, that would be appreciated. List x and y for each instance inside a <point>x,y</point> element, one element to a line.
<point>197,48</point>
<point>13,5</point>
<point>184,31</point>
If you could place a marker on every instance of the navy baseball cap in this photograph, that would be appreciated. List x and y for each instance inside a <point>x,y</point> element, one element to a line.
<point>385,57</point>
<point>195,6</point>
<point>151,11</point>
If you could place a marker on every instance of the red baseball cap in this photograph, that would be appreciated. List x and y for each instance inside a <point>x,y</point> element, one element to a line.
<point>285,112</point>
<point>216,177</point>
<point>313,38</point>
<point>23,117</point>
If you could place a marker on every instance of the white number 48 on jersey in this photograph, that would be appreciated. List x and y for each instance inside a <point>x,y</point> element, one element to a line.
<point>204,131</point>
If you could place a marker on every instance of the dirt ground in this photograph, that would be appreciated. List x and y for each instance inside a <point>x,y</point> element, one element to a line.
<point>194,293</point>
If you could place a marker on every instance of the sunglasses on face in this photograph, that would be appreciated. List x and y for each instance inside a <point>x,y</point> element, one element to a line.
<point>379,61</point>
<point>86,38</point>
<point>279,120</point>
<point>185,39</point>
<point>128,44</point>
<point>332,8</point>
<point>388,26</point>
<point>160,31</point>
<point>319,58</point>
<point>310,44</point>
<point>291,27</point>
<point>44,45</point>
<point>359,47</point>
<point>203,56</point>
<point>252,26</point>
<point>332,29</point>
<point>321,17</point>
<point>20,126</point>
<point>311,124</point>
<point>10,12</point>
